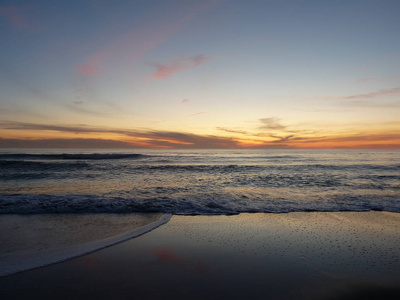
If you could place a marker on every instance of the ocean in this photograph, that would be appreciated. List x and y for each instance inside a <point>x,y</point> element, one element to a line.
<point>198,182</point>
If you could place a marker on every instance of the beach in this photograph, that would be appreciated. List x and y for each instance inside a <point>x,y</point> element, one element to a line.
<point>31,241</point>
<point>298,255</point>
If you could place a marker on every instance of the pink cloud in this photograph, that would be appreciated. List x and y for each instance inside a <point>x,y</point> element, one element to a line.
<point>88,69</point>
<point>16,16</point>
<point>166,70</point>
<point>93,65</point>
<point>380,93</point>
<point>365,79</point>
<point>199,113</point>
<point>184,101</point>
<point>139,41</point>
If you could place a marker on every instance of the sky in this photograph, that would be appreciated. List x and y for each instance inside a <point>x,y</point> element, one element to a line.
<point>200,74</point>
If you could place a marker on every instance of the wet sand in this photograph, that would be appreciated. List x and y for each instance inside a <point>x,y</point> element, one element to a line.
<point>343,255</point>
<point>30,241</point>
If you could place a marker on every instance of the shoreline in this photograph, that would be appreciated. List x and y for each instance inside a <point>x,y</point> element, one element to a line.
<point>55,238</point>
<point>307,255</point>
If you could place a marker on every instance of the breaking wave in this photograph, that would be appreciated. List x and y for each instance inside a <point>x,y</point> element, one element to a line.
<point>200,182</point>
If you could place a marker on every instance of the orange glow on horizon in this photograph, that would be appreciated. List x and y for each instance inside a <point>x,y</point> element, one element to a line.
<point>112,137</point>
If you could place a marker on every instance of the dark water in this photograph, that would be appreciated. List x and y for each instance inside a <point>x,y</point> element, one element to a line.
<point>199,182</point>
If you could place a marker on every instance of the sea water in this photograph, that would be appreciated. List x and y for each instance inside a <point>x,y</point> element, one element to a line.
<point>194,182</point>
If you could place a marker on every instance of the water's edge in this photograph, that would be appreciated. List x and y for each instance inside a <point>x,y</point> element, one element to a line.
<point>28,261</point>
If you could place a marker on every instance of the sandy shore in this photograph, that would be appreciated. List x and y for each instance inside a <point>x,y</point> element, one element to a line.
<point>343,255</point>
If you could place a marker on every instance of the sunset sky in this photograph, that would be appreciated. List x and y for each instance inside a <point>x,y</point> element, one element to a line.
<point>200,74</point>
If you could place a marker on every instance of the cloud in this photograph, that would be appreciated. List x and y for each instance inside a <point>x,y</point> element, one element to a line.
<point>184,101</point>
<point>271,124</point>
<point>393,91</point>
<point>369,104</point>
<point>199,113</point>
<point>365,79</point>
<point>170,139</point>
<point>380,93</point>
<point>13,125</point>
<point>63,143</point>
<point>16,16</point>
<point>232,130</point>
<point>77,107</point>
<point>281,139</point>
<point>90,68</point>
<point>187,140</point>
<point>148,138</point>
<point>178,65</point>
<point>366,137</point>
<point>133,44</point>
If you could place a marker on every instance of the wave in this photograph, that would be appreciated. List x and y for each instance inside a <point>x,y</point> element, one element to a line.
<point>207,204</point>
<point>27,170</point>
<point>65,156</point>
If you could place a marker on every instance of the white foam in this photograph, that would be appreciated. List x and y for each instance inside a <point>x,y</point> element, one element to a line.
<point>26,261</point>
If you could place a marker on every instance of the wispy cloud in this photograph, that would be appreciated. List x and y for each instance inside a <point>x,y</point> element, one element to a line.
<point>78,102</point>
<point>232,130</point>
<point>16,16</point>
<point>133,44</point>
<point>370,104</point>
<point>282,139</point>
<point>184,101</point>
<point>63,143</point>
<point>177,65</point>
<point>172,139</point>
<point>365,79</point>
<point>79,108</point>
<point>371,95</point>
<point>151,138</point>
<point>91,67</point>
<point>199,113</point>
<point>393,91</point>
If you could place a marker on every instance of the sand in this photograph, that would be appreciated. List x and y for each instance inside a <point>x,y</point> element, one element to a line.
<point>343,255</point>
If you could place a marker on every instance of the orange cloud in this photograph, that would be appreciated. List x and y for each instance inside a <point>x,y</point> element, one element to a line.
<point>166,70</point>
<point>111,137</point>
<point>63,143</point>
